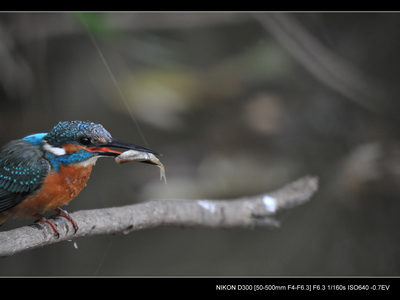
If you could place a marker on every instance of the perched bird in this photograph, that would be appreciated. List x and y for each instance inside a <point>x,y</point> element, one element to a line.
<point>44,171</point>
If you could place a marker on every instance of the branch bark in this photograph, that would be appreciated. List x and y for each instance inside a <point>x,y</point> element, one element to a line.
<point>247,212</point>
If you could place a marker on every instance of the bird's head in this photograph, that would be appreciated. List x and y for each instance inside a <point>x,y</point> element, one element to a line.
<point>83,142</point>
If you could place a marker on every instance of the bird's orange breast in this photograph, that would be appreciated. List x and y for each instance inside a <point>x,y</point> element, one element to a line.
<point>58,189</point>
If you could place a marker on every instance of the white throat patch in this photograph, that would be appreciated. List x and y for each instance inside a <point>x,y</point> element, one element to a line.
<point>54,150</point>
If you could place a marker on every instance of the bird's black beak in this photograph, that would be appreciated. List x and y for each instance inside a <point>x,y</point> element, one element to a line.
<point>102,149</point>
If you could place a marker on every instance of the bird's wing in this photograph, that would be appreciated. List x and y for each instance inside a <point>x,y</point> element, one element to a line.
<point>22,169</point>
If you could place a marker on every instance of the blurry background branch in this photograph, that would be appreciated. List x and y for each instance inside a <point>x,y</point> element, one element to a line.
<point>247,212</point>
<point>327,66</point>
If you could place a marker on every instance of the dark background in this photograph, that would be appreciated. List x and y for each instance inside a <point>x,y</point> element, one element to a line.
<point>238,104</point>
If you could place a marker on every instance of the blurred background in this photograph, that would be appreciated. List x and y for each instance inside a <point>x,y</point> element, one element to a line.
<point>238,104</point>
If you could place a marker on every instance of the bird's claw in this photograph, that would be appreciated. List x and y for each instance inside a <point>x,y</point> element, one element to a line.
<point>53,225</point>
<point>61,213</point>
<point>65,214</point>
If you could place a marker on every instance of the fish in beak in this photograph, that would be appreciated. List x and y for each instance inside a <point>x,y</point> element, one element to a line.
<point>134,153</point>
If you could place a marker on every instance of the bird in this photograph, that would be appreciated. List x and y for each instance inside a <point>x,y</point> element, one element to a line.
<point>44,171</point>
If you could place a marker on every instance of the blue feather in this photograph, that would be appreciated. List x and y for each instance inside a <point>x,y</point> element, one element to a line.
<point>35,139</point>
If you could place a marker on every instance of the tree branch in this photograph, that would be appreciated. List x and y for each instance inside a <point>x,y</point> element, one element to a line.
<point>248,212</point>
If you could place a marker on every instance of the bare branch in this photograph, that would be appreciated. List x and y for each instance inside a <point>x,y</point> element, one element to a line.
<point>248,212</point>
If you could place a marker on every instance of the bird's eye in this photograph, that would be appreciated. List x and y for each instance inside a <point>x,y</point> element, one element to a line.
<point>84,140</point>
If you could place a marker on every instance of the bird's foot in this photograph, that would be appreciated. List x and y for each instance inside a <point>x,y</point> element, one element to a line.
<point>65,214</point>
<point>40,218</point>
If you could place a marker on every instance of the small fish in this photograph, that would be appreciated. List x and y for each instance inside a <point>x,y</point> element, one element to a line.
<point>133,155</point>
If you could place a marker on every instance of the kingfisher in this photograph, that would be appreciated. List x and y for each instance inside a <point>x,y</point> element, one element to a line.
<point>45,171</point>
